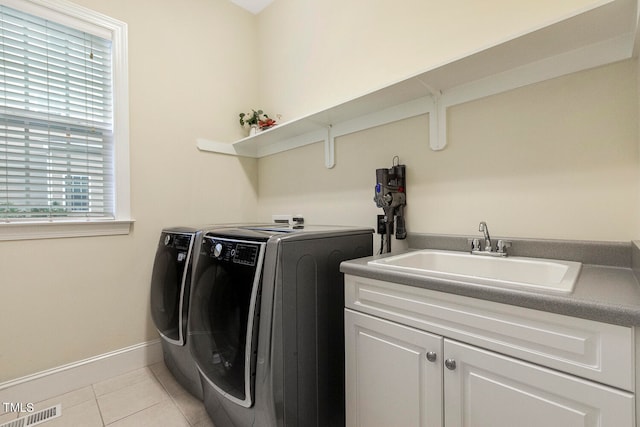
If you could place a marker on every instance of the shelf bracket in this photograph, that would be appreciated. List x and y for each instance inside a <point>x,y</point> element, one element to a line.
<point>441,127</point>
<point>437,119</point>
<point>437,122</point>
<point>329,149</point>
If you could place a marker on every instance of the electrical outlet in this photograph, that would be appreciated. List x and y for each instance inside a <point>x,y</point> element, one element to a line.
<point>382,227</point>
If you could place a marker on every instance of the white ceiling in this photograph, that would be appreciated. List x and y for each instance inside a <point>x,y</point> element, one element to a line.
<point>253,6</point>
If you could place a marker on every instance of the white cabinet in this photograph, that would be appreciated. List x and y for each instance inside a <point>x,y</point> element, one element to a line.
<point>404,371</point>
<point>488,389</point>
<point>390,381</point>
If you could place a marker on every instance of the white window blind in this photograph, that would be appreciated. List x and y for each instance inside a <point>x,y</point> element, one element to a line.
<point>56,121</point>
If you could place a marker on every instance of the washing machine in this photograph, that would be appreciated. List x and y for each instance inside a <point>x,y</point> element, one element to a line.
<point>266,323</point>
<point>170,293</point>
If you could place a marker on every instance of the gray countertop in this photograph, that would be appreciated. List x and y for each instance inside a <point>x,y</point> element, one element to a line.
<point>603,293</point>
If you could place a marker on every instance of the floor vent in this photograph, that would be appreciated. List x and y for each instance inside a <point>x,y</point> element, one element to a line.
<point>36,417</point>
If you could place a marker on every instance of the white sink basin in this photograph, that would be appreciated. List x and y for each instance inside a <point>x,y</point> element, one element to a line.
<point>509,272</point>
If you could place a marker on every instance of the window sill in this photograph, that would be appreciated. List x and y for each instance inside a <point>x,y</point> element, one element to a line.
<point>61,229</point>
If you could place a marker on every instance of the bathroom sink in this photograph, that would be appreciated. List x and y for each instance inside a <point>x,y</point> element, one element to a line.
<point>509,272</point>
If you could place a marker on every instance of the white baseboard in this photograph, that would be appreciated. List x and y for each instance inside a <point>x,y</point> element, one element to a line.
<point>63,379</point>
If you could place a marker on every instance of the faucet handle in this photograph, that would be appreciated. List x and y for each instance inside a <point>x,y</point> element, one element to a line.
<point>502,245</point>
<point>475,244</point>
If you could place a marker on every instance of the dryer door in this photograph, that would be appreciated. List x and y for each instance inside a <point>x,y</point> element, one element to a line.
<point>169,285</point>
<point>224,305</point>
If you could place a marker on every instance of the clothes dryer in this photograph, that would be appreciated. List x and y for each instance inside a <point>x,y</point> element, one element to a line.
<point>266,327</point>
<point>170,294</point>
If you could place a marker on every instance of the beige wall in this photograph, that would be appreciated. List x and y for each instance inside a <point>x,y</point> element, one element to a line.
<point>317,53</point>
<point>637,65</point>
<point>558,159</point>
<point>191,71</point>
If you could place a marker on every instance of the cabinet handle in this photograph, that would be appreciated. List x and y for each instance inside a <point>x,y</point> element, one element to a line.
<point>450,364</point>
<point>431,356</point>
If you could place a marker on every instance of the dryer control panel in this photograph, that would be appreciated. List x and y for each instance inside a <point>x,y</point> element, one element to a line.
<point>237,252</point>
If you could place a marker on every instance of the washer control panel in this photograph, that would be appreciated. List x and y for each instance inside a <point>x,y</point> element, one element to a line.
<point>237,252</point>
<point>177,244</point>
<point>176,240</point>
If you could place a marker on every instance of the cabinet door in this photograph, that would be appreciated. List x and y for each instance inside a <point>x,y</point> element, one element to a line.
<point>392,378</point>
<point>488,389</point>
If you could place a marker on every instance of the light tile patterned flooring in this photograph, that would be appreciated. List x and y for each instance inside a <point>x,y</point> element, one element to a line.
<point>146,397</point>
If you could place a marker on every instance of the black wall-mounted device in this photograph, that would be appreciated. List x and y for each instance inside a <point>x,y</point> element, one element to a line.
<point>390,195</point>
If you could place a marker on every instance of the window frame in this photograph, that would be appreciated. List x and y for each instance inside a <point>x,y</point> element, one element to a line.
<point>87,20</point>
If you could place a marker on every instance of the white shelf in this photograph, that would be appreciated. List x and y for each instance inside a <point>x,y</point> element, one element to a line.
<point>596,36</point>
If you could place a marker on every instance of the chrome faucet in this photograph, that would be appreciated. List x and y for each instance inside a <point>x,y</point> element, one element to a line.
<point>501,246</point>
<point>484,228</point>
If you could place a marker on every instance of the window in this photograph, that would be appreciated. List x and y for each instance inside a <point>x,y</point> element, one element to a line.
<point>77,197</point>
<point>63,136</point>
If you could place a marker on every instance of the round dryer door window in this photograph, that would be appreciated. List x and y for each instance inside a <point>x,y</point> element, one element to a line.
<point>168,281</point>
<point>225,297</point>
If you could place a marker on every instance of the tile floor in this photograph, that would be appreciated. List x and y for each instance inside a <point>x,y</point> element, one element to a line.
<point>146,397</point>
